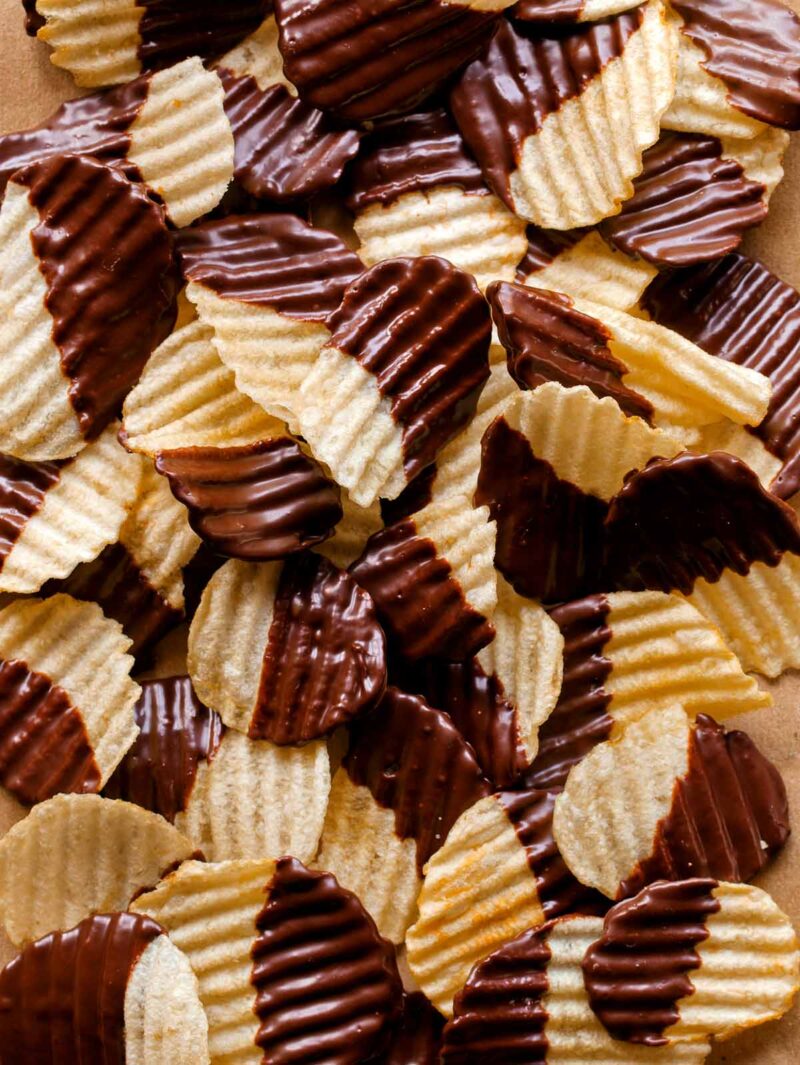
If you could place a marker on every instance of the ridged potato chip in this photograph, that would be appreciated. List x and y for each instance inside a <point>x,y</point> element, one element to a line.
<point>738,441</point>
<point>67,697</point>
<point>75,855</point>
<point>352,532</point>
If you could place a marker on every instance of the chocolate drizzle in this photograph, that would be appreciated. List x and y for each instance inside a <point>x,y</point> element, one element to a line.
<point>417,1040</point>
<point>171,30</point>
<point>367,60</point>
<point>544,247</point>
<point>256,502</point>
<point>327,986</point>
<point>275,260</point>
<point>531,813</point>
<point>415,762</point>
<point>580,720</point>
<point>23,486</point>
<point>500,1013</point>
<point>414,153</point>
<point>549,533</point>
<point>638,971</point>
<point>547,339</point>
<point>419,600</point>
<point>44,746</point>
<point>738,310</point>
<point>691,517</point>
<point>106,256</point>
<point>325,658</point>
<point>690,204</point>
<point>754,47</point>
<point>176,733</point>
<point>729,814</point>
<point>284,149</point>
<point>63,998</point>
<point>422,328</point>
<point>525,74</point>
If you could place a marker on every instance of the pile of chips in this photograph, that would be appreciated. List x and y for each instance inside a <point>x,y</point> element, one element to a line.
<point>396,465</point>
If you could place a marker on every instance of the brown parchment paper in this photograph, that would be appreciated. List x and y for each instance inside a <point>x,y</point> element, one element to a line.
<point>31,88</point>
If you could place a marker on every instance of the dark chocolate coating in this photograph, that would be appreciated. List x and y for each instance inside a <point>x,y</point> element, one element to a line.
<point>544,247</point>
<point>327,987</point>
<point>548,10</point>
<point>23,486</point>
<point>275,260</point>
<point>325,658</point>
<point>739,310</point>
<point>176,733</point>
<point>754,47</point>
<point>691,517</point>
<point>417,1040</point>
<point>547,339</point>
<point>422,328</point>
<point>62,999</point>
<point>690,204</point>
<point>33,20</point>
<point>106,256</point>
<point>639,969</point>
<point>44,746</point>
<point>415,762</point>
<point>256,502</point>
<point>172,30</point>
<point>363,59</point>
<point>416,495</point>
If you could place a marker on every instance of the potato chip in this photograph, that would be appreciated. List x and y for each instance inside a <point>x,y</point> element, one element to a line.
<point>667,799</point>
<point>68,696</point>
<point>352,532</point>
<point>561,149</point>
<point>59,515</point>
<point>75,855</point>
<point>737,440</point>
<point>569,10</point>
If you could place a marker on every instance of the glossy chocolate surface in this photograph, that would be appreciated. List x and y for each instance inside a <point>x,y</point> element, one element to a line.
<point>62,999</point>
<point>33,20</point>
<point>176,733</point>
<point>414,153</point>
<point>363,60</point>
<point>275,260</point>
<point>417,1040</point>
<point>172,30</point>
<point>421,604</point>
<point>415,762</point>
<point>23,486</point>
<point>422,328</point>
<point>547,339</point>
<point>580,719</point>
<point>729,814</point>
<point>327,987</point>
<point>739,310</point>
<point>416,495</point>
<point>691,517</point>
<point>525,74</point>
<point>549,532</point>
<point>640,968</point>
<point>106,256</point>
<point>44,746</point>
<point>284,149</point>
<point>754,47</point>
<point>255,502</point>
<point>690,204</point>
<point>544,247</point>
<point>325,657</point>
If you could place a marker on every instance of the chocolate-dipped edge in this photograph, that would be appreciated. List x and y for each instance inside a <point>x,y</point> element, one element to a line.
<point>417,1039</point>
<point>422,329</point>
<point>737,309</point>
<point>33,20</point>
<point>548,10</point>
<point>325,658</point>
<point>176,733</point>
<point>544,247</point>
<point>691,517</point>
<point>274,260</point>
<point>23,487</point>
<point>172,30</point>
<point>416,495</point>
<point>416,763</point>
<point>753,46</point>
<point>414,153</point>
<point>547,339</point>
<point>526,73</point>
<point>690,204</point>
<point>639,970</point>
<point>326,983</point>
<point>549,533</point>
<point>729,813</point>
<point>256,502</point>
<point>104,250</point>
<point>63,997</point>
<point>44,746</point>
<point>580,719</point>
<point>284,149</point>
<point>420,603</point>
